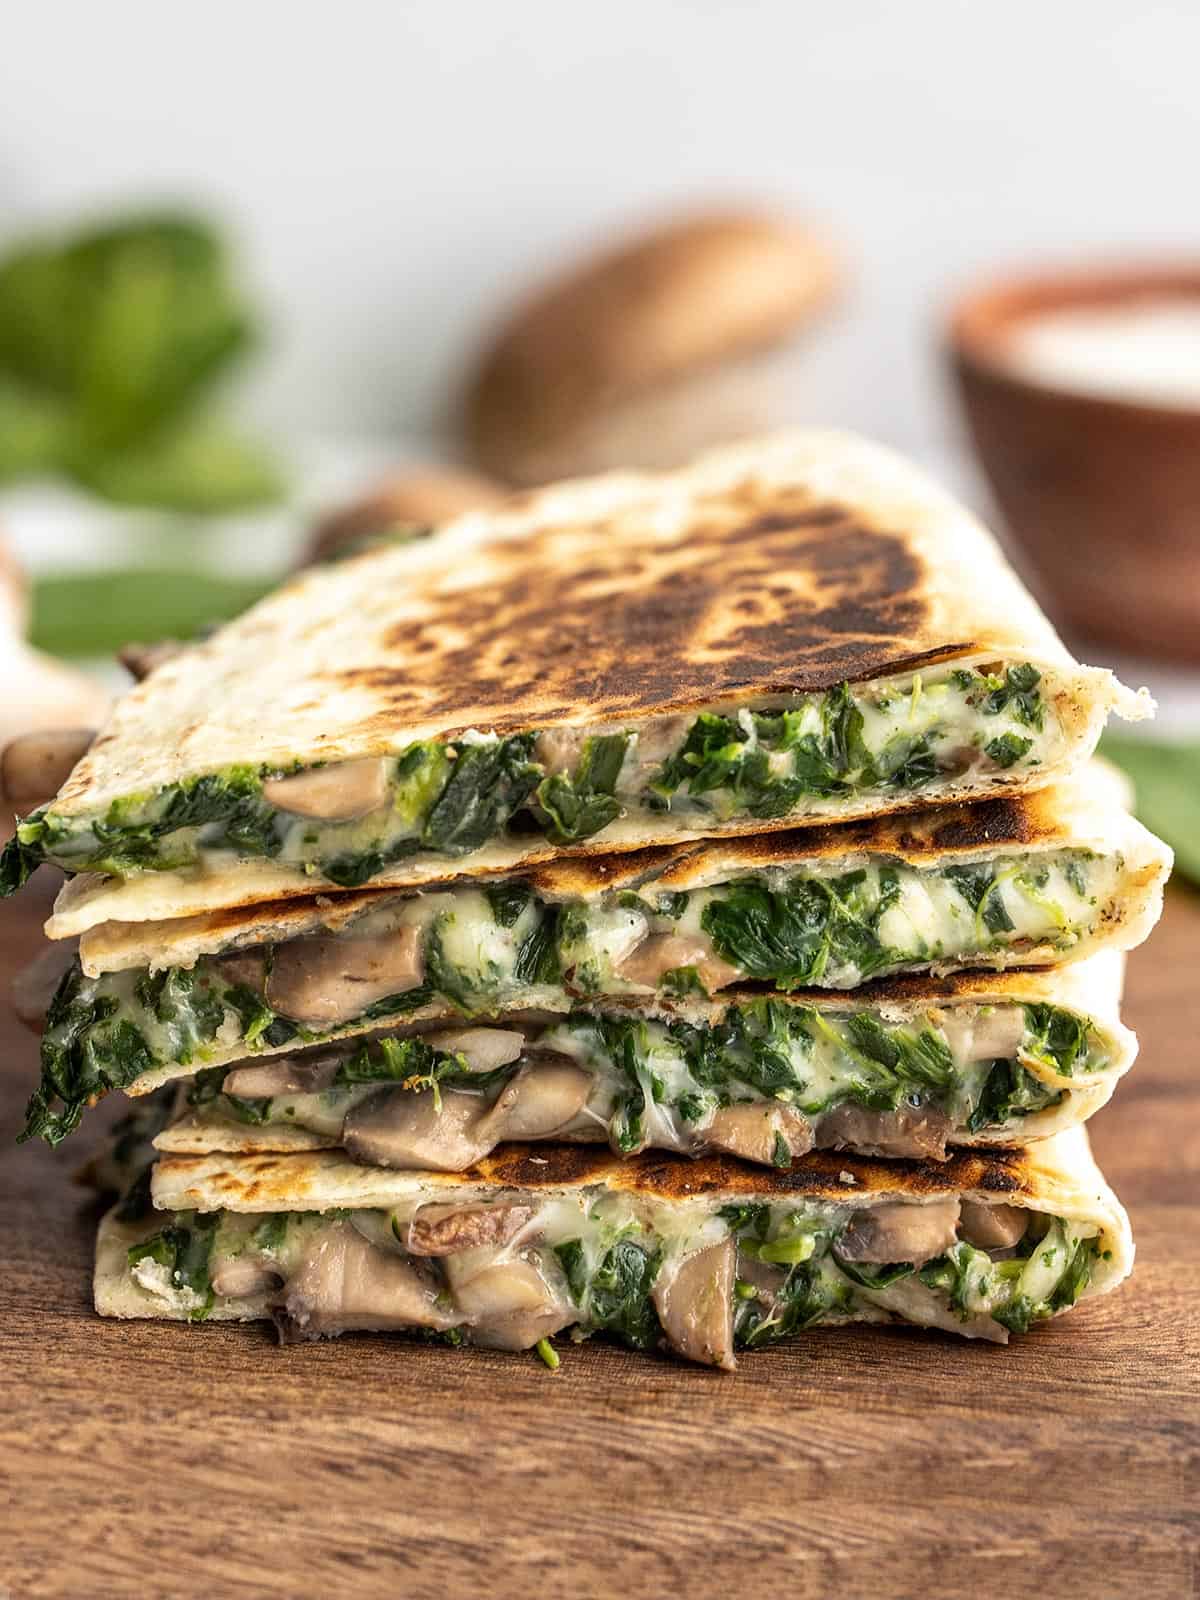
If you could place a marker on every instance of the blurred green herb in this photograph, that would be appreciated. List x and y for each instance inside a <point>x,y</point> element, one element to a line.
<point>1166,779</point>
<point>95,613</point>
<point>109,341</point>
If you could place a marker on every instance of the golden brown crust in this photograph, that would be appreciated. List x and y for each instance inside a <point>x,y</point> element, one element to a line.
<point>319,1179</point>
<point>685,295</point>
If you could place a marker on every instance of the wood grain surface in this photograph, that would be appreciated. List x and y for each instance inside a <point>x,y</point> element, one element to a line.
<point>156,1459</point>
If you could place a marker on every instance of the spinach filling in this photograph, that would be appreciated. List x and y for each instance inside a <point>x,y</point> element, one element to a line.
<point>602,1259</point>
<point>663,1084</point>
<point>451,798</point>
<point>484,950</point>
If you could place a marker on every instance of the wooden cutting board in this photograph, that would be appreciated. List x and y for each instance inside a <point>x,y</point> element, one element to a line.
<point>156,1459</point>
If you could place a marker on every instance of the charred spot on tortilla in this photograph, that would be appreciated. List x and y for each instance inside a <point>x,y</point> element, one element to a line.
<point>631,632</point>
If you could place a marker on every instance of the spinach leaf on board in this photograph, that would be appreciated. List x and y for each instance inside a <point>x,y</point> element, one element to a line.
<point>95,613</point>
<point>1166,781</point>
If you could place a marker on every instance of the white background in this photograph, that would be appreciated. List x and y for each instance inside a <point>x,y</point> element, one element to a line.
<point>396,171</point>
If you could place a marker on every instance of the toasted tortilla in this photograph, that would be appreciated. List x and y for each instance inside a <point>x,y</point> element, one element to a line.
<point>1085,814</point>
<point>763,571</point>
<point>1092,988</point>
<point>1058,1177</point>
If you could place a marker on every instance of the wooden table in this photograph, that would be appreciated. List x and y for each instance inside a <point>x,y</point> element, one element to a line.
<point>157,1459</point>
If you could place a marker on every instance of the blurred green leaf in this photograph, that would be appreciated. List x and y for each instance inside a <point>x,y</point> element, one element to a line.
<point>126,328</point>
<point>34,429</point>
<point>198,469</point>
<point>1166,781</point>
<point>95,613</point>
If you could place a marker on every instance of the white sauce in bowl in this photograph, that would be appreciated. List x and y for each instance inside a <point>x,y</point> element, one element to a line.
<point>1145,351</point>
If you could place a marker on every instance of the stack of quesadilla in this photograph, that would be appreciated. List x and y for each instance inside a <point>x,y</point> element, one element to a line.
<point>680,907</point>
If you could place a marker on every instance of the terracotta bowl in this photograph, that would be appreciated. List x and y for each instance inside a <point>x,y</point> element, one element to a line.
<point>1103,494</point>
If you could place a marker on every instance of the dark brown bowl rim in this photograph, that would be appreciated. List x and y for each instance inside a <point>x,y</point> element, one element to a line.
<point>977,315</point>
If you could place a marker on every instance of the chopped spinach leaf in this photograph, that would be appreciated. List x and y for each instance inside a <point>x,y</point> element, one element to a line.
<point>578,806</point>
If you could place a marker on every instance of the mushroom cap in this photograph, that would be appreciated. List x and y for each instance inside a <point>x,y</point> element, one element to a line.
<point>698,290</point>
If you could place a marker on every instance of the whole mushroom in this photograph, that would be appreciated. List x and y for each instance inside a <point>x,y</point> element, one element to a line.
<point>646,352</point>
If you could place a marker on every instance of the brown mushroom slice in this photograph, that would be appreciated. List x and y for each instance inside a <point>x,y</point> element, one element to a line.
<point>326,980</point>
<point>752,1129</point>
<point>992,1227</point>
<point>344,1283</point>
<point>989,1033</point>
<point>537,1101</point>
<point>661,953</point>
<point>509,1304</point>
<point>34,986</point>
<point>560,749</point>
<point>695,1305</point>
<point>34,766</point>
<point>445,1230</point>
<point>238,1276</point>
<point>405,1129</point>
<point>243,969</point>
<point>282,1075</point>
<point>484,1049</point>
<point>339,792</point>
<point>914,1231</point>
<point>523,1329</point>
<point>657,740</point>
<point>907,1131</point>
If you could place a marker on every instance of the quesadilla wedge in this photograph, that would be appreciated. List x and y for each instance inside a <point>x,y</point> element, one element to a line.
<point>901,1068</point>
<point>1049,877</point>
<point>703,1257</point>
<point>796,631</point>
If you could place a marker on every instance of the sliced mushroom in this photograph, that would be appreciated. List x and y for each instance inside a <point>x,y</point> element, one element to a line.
<point>915,1231</point>
<point>989,1033</point>
<point>560,749</point>
<point>997,1227</point>
<point>243,969</point>
<point>752,1128</point>
<point>695,1305</point>
<point>282,1075</point>
<point>484,1049</point>
<point>401,1128</point>
<point>243,1275</point>
<point>658,739</point>
<point>907,1131</point>
<point>445,1230</point>
<point>509,1304</point>
<point>34,985</point>
<point>664,952</point>
<point>345,1283</point>
<point>336,793</point>
<point>326,980</point>
<point>34,766</point>
<point>536,1102</point>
